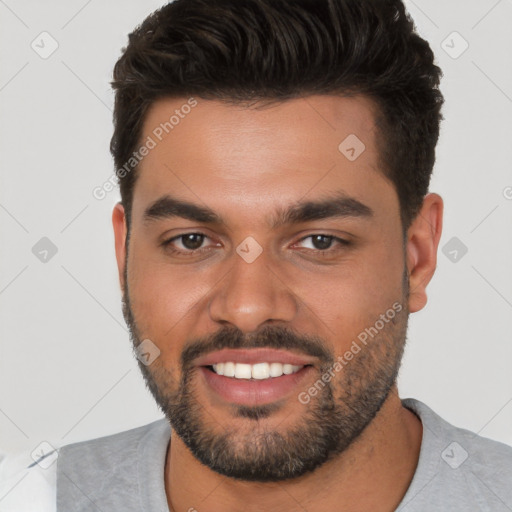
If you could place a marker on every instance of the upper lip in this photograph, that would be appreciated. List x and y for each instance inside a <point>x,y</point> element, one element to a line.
<point>253,356</point>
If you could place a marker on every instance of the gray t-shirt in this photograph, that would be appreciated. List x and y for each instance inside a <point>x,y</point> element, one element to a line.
<point>457,471</point>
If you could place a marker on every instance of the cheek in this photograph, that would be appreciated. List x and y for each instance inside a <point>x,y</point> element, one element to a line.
<point>163,301</point>
<point>381,277</point>
<point>350,297</point>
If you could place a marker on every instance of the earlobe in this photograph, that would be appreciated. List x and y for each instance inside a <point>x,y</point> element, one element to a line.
<point>422,243</point>
<point>119,225</point>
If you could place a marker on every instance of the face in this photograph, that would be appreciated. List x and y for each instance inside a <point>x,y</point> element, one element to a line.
<point>262,249</point>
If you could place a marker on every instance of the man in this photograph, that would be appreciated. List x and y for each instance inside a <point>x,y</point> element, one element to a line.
<point>275,232</point>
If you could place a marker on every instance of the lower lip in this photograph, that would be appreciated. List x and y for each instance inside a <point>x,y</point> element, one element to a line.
<point>254,391</point>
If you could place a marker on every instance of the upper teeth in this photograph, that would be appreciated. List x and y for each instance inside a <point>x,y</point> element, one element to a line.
<point>256,371</point>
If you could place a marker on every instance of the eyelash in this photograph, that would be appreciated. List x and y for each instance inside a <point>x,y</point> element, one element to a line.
<point>167,244</point>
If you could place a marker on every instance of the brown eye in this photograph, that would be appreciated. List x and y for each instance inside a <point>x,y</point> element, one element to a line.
<point>192,241</point>
<point>185,244</point>
<point>322,242</point>
<point>322,245</point>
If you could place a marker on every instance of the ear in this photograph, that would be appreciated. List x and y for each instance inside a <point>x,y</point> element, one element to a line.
<point>119,224</point>
<point>423,238</point>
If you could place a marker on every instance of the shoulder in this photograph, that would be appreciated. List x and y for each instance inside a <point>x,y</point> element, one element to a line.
<point>110,456</point>
<point>458,468</point>
<point>114,470</point>
<point>480,451</point>
<point>28,485</point>
<point>114,443</point>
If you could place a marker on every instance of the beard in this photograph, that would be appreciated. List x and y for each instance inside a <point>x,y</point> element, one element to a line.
<point>331,421</point>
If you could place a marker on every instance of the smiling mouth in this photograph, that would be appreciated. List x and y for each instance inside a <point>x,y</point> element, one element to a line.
<point>257,371</point>
<point>254,384</point>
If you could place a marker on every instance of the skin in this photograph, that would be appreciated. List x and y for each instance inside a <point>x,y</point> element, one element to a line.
<point>240,161</point>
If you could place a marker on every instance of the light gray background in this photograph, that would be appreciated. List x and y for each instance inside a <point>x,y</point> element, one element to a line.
<point>66,368</point>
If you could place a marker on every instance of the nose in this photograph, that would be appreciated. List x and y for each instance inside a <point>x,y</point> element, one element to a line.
<point>252,294</point>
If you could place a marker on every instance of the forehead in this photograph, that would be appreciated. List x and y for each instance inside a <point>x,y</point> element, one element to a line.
<point>251,158</point>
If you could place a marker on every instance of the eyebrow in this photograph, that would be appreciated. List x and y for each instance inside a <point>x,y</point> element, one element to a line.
<point>337,205</point>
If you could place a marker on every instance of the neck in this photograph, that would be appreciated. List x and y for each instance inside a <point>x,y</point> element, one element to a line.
<point>372,474</point>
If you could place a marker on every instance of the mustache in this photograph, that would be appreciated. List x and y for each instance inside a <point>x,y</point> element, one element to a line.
<point>268,337</point>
